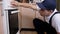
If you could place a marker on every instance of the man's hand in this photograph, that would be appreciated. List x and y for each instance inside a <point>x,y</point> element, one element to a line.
<point>15,4</point>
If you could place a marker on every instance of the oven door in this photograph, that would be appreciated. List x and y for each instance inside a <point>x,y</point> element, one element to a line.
<point>13,21</point>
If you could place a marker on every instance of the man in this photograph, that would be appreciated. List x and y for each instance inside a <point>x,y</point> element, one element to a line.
<point>46,9</point>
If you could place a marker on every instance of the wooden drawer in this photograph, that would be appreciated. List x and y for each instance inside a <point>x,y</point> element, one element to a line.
<point>28,32</point>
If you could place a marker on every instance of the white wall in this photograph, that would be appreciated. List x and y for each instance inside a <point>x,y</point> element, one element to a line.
<point>1,21</point>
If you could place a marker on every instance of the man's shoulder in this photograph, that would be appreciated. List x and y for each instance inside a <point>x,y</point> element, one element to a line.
<point>56,16</point>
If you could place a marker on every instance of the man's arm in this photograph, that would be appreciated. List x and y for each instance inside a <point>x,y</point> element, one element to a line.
<point>27,5</point>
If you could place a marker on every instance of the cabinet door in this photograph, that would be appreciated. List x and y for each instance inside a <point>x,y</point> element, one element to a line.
<point>58,4</point>
<point>26,17</point>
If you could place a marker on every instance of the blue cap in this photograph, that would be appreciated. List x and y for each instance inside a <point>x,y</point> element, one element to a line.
<point>47,4</point>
